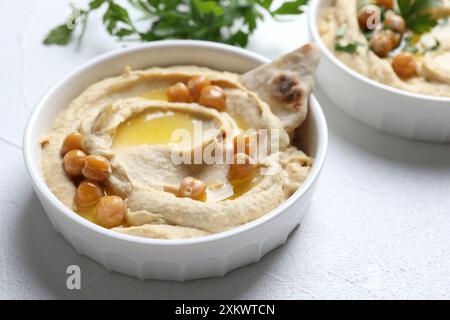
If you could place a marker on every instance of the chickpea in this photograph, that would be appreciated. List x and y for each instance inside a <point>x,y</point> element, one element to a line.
<point>369,17</point>
<point>71,142</point>
<point>179,92</point>
<point>110,211</point>
<point>243,143</point>
<point>73,162</point>
<point>388,4</point>
<point>196,85</point>
<point>213,97</point>
<point>241,168</point>
<point>404,65</point>
<point>192,188</point>
<point>382,43</point>
<point>88,193</point>
<point>96,168</point>
<point>395,38</point>
<point>395,23</point>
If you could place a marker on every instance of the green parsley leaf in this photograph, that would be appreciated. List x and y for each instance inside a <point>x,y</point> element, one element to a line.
<point>291,7</point>
<point>349,48</point>
<point>95,4</point>
<point>240,38</point>
<point>416,16</point>
<point>61,35</point>
<point>266,4</point>
<point>421,23</point>
<point>206,7</point>
<point>114,16</point>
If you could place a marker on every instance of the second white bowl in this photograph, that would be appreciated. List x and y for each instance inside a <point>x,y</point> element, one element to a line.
<point>408,115</point>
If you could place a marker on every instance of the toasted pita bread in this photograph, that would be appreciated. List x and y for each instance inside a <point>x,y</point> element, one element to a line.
<point>286,83</point>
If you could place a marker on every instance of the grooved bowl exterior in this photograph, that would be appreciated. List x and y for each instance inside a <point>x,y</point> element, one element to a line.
<point>408,115</point>
<point>183,259</point>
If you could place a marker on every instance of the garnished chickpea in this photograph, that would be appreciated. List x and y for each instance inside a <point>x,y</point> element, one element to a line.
<point>179,92</point>
<point>395,23</point>
<point>71,142</point>
<point>110,211</point>
<point>73,162</point>
<point>96,168</point>
<point>395,37</point>
<point>196,85</point>
<point>388,4</point>
<point>382,43</point>
<point>213,97</point>
<point>369,17</point>
<point>241,168</point>
<point>404,65</point>
<point>88,193</point>
<point>192,188</point>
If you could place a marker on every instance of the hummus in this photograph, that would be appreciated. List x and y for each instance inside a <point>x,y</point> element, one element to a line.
<point>128,120</point>
<point>341,31</point>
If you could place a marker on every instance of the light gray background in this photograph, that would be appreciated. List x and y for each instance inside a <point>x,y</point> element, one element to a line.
<point>378,226</point>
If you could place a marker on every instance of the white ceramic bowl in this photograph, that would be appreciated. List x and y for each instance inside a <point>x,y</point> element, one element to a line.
<point>209,256</point>
<point>409,115</point>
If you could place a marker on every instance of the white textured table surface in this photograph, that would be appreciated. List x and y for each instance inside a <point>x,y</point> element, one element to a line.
<point>379,225</point>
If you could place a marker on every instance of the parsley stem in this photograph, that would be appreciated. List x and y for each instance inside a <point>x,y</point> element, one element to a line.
<point>83,29</point>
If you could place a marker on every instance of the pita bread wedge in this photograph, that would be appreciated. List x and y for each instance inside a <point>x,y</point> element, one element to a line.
<point>286,83</point>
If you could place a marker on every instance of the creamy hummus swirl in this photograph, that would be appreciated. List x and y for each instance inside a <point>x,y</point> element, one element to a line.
<point>141,173</point>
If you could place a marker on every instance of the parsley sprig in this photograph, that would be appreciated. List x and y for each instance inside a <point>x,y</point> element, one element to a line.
<point>349,47</point>
<point>416,15</point>
<point>226,21</point>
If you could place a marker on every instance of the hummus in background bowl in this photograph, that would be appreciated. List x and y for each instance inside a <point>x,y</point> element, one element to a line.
<point>163,228</point>
<point>360,34</point>
<point>382,69</point>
